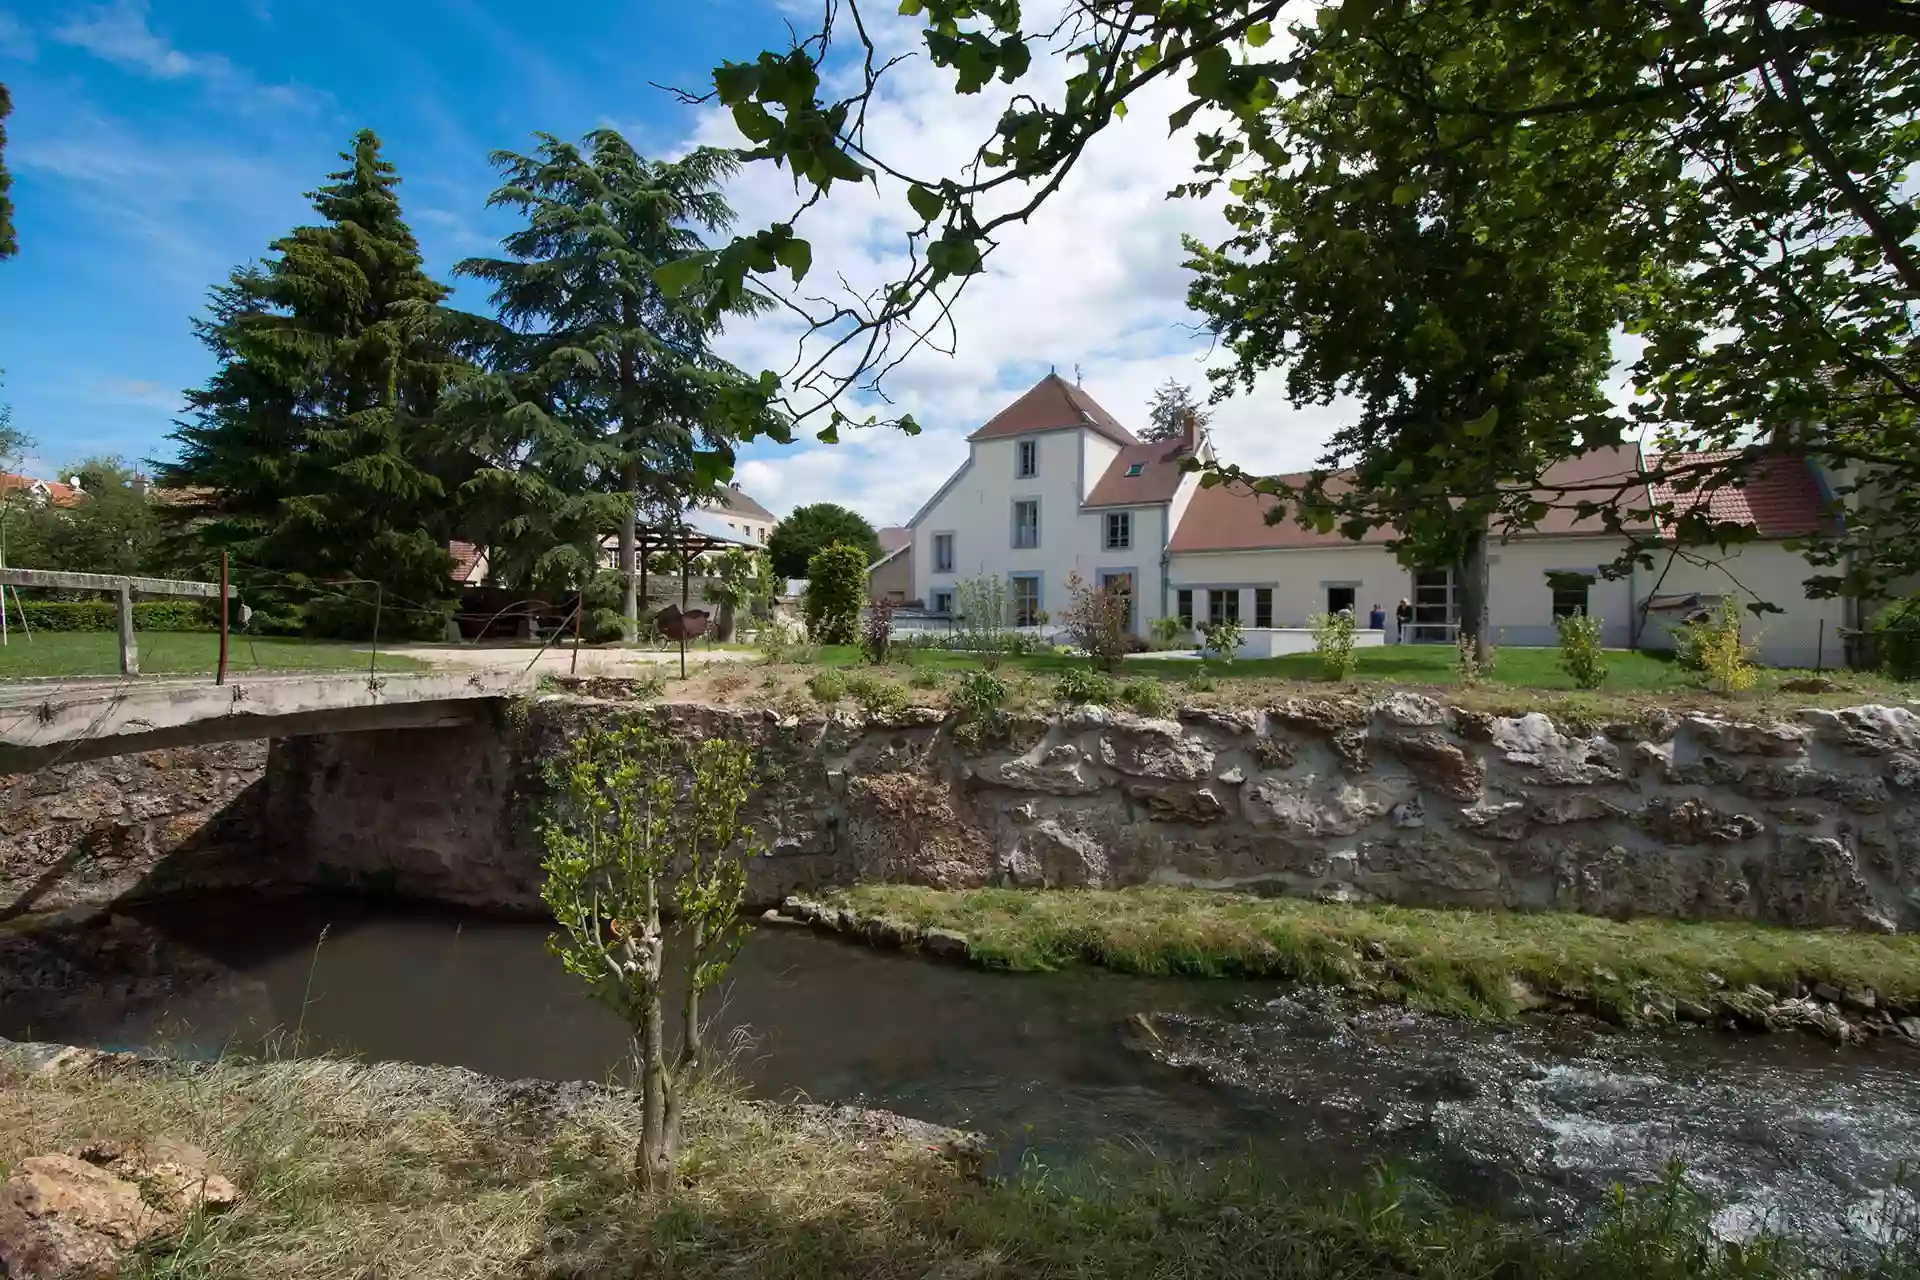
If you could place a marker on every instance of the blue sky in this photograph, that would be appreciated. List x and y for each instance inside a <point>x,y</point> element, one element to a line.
<point>156,145</point>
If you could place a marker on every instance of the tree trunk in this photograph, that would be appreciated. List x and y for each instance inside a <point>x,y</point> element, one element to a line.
<point>629,599</point>
<point>692,1048</point>
<point>1475,588</point>
<point>659,1124</point>
<point>723,621</point>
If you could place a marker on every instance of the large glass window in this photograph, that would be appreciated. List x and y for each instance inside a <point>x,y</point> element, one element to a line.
<point>1339,598</point>
<point>1026,600</point>
<point>1223,606</point>
<point>1119,530</point>
<point>943,553</point>
<point>1263,606</point>
<point>1026,523</point>
<point>1120,582</point>
<point>1028,465</point>
<point>1436,606</point>
<point>1183,606</point>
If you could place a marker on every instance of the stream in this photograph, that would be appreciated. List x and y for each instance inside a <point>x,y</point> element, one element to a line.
<point>1541,1118</point>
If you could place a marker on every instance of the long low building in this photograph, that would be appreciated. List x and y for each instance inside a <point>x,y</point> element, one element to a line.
<point>1054,485</point>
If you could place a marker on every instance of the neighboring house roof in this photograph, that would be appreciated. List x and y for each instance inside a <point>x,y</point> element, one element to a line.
<point>889,558</point>
<point>466,559</point>
<point>1054,404</point>
<point>60,495</point>
<point>1160,475</point>
<point>1780,496</point>
<point>735,501</point>
<point>1233,518</point>
<point>894,537</point>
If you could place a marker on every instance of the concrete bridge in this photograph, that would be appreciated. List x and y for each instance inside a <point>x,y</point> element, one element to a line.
<point>57,721</point>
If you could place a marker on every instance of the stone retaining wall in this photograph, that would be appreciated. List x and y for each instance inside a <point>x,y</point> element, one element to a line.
<point>1811,821</point>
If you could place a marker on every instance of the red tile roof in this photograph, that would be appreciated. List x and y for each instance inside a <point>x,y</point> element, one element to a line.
<point>1780,496</point>
<point>60,495</point>
<point>1052,404</point>
<point>1232,518</point>
<point>1160,474</point>
<point>466,558</point>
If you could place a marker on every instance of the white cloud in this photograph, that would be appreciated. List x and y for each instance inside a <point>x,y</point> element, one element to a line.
<point>1093,280</point>
<point>120,33</point>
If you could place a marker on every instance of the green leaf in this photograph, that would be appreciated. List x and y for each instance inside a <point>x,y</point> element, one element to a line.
<point>796,256</point>
<point>1259,33</point>
<point>1483,426</point>
<point>829,434</point>
<point>1120,109</point>
<point>677,276</point>
<point>1178,120</point>
<point>925,202</point>
<point>1405,194</point>
<point>910,8</point>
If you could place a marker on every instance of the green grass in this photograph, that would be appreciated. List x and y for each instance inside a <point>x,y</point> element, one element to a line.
<point>349,1170</point>
<point>1454,961</point>
<point>93,653</point>
<point>1628,672</point>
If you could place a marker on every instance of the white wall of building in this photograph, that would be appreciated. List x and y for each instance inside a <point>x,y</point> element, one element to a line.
<point>1767,571</point>
<point>977,510</point>
<point>1521,596</point>
<point>1299,580</point>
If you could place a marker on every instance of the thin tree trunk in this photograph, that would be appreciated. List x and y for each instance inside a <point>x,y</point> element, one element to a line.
<point>629,600</point>
<point>653,1162</point>
<point>692,1047</point>
<point>1475,588</point>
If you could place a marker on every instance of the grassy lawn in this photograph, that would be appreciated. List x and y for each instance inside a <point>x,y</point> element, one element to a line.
<point>1455,961</point>
<point>385,1170</point>
<point>97,653</point>
<point>1627,671</point>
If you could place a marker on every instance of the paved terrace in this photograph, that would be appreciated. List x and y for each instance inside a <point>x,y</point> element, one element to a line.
<point>53,722</point>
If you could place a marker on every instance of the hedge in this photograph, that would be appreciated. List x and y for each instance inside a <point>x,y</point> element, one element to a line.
<point>103,615</point>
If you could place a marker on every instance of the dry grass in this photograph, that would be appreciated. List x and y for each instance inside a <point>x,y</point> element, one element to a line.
<point>1456,961</point>
<point>395,1171</point>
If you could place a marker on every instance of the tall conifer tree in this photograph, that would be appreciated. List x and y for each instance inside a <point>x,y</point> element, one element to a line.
<point>7,246</point>
<point>312,441</point>
<point>599,387</point>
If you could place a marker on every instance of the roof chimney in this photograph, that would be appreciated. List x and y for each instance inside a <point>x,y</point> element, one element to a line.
<point>1190,433</point>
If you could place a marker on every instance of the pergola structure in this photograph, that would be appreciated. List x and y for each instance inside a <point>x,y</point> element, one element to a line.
<point>696,534</point>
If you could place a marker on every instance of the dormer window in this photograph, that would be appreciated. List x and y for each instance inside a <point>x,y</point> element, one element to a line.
<point>1136,469</point>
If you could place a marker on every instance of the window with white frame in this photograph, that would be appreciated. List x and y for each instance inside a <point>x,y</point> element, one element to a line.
<point>1119,530</point>
<point>1026,524</point>
<point>1026,600</point>
<point>1027,464</point>
<point>943,553</point>
<point>943,602</point>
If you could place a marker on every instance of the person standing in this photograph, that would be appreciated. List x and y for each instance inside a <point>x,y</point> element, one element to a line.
<point>1403,615</point>
<point>1377,618</point>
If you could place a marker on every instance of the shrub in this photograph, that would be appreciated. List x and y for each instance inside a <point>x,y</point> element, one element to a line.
<point>729,682</point>
<point>1147,696</point>
<point>827,687</point>
<point>1098,620</point>
<point>1468,667</point>
<point>1222,639</point>
<point>982,606</point>
<point>1896,635</point>
<point>1201,681</point>
<point>836,588</point>
<point>876,630</point>
<point>1726,661</point>
<point>777,640</point>
<point>1079,686</point>
<point>1580,654</point>
<point>1170,633</point>
<point>927,678</point>
<point>104,615</point>
<point>979,698</point>
<point>638,826</point>
<point>876,695</point>
<point>1333,643</point>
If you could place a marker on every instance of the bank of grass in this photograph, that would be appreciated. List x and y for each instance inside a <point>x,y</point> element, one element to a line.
<point>1454,961</point>
<point>349,1171</point>
<point>94,653</point>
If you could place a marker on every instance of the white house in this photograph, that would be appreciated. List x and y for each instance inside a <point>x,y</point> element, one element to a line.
<point>741,514</point>
<point>1053,484</point>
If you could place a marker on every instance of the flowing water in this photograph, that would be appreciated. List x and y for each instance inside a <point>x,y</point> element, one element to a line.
<point>1541,1118</point>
